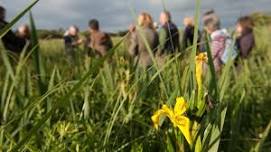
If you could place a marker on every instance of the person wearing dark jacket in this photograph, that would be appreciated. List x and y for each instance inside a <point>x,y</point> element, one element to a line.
<point>245,41</point>
<point>72,42</point>
<point>10,41</point>
<point>143,39</point>
<point>188,34</point>
<point>168,35</point>
<point>100,42</point>
<point>24,32</point>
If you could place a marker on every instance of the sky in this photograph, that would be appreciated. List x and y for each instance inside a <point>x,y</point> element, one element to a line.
<point>115,15</point>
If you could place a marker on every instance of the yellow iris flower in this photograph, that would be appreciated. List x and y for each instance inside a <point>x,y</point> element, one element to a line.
<point>176,116</point>
<point>200,60</point>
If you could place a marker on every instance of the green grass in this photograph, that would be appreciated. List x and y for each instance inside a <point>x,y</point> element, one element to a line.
<point>106,104</point>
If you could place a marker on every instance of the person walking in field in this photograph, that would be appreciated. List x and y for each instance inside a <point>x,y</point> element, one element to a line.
<point>100,42</point>
<point>144,40</point>
<point>245,38</point>
<point>188,34</point>
<point>168,34</point>
<point>10,40</point>
<point>204,34</point>
<point>72,42</point>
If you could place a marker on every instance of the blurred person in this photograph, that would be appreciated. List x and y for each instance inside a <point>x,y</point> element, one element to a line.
<point>188,34</point>
<point>87,48</point>
<point>168,34</point>
<point>142,38</point>
<point>245,38</point>
<point>72,41</point>
<point>211,14</point>
<point>100,42</point>
<point>218,41</point>
<point>24,32</point>
<point>10,40</point>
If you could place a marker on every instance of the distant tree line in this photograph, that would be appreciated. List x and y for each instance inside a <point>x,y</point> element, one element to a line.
<point>59,33</point>
<point>50,34</point>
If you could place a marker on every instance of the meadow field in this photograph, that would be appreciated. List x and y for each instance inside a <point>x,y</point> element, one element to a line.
<point>49,103</point>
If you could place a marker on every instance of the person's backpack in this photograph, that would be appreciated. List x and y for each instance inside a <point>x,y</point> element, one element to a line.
<point>231,52</point>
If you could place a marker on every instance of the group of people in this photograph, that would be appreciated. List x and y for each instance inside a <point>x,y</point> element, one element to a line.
<point>223,45</point>
<point>147,39</point>
<point>97,41</point>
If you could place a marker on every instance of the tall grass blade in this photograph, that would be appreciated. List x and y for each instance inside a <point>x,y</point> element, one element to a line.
<point>260,144</point>
<point>37,57</point>
<point>63,101</point>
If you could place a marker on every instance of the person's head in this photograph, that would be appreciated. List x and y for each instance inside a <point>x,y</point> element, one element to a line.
<point>24,31</point>
<point>145,20</point>
<point>188,21</point>
<point>2,13</point>
<point>93,25</point>
<point>244,24</point>
<point>165,17</point>
<point>212,25</point>
<point>73,30</point>
<point>210,15</point>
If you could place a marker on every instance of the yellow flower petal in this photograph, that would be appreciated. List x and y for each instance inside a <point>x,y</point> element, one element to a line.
<point>180,106</point>
<point>199,74</point>
<point>200,59</point>
<point>184,126</point>
<point>176,116</point>
<point>156,118</point>
<point>165,111</point>
<point>168,112</point>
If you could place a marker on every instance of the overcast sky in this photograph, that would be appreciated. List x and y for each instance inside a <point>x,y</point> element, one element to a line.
<point>116,15</point>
